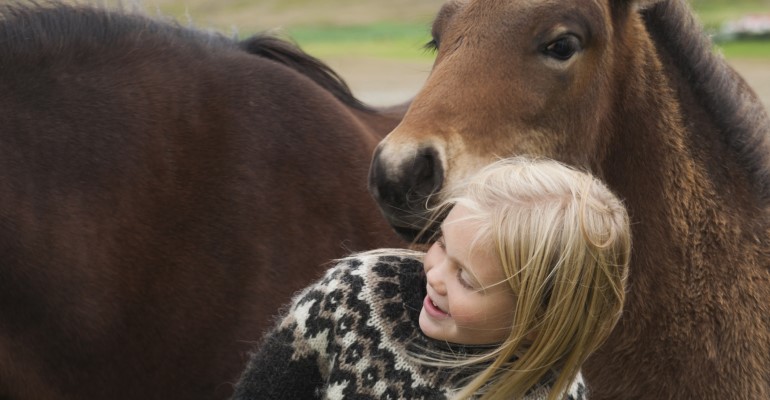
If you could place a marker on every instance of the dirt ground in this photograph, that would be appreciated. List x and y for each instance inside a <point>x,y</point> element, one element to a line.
<point>380,82</point>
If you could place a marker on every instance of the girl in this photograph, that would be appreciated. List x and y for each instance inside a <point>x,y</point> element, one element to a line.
<point>526,280</point>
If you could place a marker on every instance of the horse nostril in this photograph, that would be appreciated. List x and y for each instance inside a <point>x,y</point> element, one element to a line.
<point>414,181</point>
<point>425,176</point>
<point>387,189</point>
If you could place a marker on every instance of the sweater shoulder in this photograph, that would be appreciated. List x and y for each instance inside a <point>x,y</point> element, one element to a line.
<point>352,275</point>
<point>369,286</point>
<point>354,321</point>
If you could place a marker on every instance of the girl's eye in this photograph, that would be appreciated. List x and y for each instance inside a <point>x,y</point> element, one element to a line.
<point>440,242</point>
<point>463,282</point>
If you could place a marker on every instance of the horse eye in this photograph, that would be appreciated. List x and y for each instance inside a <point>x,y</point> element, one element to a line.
<point>563,48</point>
<point>431,46</point>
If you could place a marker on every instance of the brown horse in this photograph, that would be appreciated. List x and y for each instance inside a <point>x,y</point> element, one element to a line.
<point>162,192</point>
<point>631,91</point>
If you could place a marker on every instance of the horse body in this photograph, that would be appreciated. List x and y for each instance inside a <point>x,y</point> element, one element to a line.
<point>164,191</point>
<point>637,98</point>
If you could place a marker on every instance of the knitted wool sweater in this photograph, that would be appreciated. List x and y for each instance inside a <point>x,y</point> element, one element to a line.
<point>347,335</point>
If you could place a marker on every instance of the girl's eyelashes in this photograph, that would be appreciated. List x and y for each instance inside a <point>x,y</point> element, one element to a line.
<point>463,282</point>
<point>440,241</point>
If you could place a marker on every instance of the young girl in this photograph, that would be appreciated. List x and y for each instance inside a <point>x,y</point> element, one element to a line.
<point>526,280</point>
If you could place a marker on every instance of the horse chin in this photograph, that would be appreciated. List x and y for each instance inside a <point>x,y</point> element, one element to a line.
<point>409,234</point>
<point>414,228</point>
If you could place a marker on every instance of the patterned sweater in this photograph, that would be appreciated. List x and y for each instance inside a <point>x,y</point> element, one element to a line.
<point>347,335</point>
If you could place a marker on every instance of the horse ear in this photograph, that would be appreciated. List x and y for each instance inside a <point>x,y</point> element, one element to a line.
<point>642,4</point>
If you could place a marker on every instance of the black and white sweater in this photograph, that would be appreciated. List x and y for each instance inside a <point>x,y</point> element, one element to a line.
<point>347,335</point>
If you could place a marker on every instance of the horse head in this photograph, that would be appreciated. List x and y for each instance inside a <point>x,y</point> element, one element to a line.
<point>510,77</point>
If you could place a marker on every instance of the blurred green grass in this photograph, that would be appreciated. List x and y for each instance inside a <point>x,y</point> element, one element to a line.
<point>389,29</point>
<point>745,49</point>
<point>378,40</point>
<point>406,40</point>
<point>713,13</point>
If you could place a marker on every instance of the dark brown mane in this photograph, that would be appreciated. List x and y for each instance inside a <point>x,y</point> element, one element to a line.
<point>45,27</point>
<point>293,57</point>
<point>720,91</point>
<point>61,30</point>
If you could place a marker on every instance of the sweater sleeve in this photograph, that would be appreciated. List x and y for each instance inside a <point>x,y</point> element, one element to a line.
<point>291,362</point>
<point>273,374</point>
<point>345,337</point>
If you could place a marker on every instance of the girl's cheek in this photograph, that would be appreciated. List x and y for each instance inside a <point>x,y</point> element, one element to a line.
<point>468,315</point>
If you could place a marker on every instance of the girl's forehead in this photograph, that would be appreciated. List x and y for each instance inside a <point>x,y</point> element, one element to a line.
<point>461,226</point>
<point>476,253</point>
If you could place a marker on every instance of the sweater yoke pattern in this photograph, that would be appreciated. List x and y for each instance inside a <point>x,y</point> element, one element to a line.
<point>354,324</point>
<point>347,337</point>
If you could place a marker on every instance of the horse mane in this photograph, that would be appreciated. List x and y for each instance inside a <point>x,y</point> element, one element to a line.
<point>290,55</point>
<point>35,28</point>
<point>42,27</point>
<point>724,94</point>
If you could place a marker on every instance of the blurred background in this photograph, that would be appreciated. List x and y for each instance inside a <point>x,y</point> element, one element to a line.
<point>377,45</point>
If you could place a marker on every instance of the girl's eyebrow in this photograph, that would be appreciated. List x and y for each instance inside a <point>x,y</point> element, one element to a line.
<point>457,263</point>
<point>474,280</point>
<point>472,276</point>
<point>443,238</point>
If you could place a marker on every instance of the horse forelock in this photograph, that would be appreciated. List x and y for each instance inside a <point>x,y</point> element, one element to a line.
<point>737,112</point>
<point>290,55</point>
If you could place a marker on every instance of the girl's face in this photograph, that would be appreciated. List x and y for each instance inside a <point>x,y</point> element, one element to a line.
<point>469,301</point>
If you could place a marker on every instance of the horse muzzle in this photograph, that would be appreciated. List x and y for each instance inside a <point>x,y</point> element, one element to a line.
<point>404,190</point>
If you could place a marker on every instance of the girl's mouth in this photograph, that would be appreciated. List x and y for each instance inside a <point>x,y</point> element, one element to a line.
<point>433,310</point>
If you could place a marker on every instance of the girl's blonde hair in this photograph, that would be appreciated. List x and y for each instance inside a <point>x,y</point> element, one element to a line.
<point>563,239</point>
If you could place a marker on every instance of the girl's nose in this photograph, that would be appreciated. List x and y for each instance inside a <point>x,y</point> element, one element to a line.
<point>436,281</point>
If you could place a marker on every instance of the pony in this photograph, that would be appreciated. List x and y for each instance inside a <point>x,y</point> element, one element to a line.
<point>632,91</point>
<point>163,191</point>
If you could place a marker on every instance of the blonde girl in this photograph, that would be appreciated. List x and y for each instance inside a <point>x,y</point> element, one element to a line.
<point>561,243</point>
<point>526,280</point>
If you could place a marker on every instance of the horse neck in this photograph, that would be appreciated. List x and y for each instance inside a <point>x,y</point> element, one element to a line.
<point>693,184</point>
<point>687,119</point>
<point>713,96</point>
<point>694,199</point>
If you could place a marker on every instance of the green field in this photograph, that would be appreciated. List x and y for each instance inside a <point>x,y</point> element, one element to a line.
<point>746,49</point>
<point>386,39</point>
<point>390,29</point>
<point>715,12</point>
<point>378,40</point>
